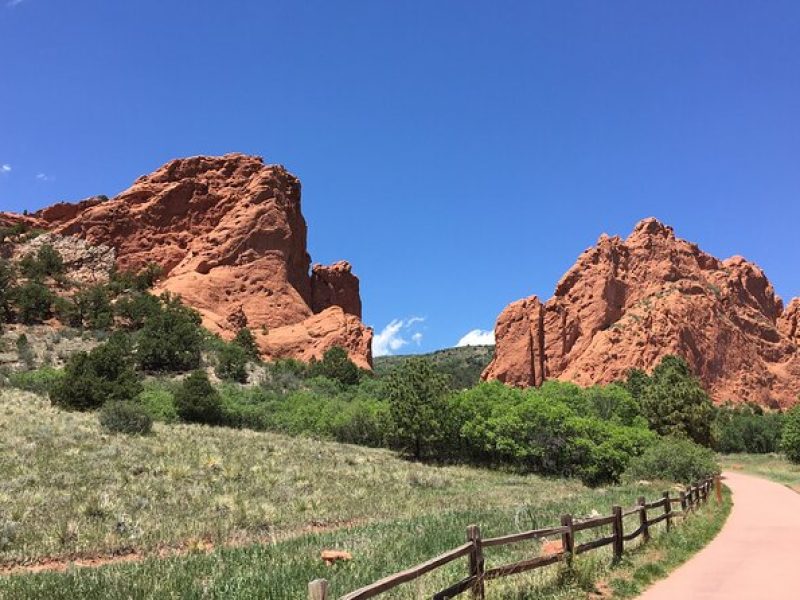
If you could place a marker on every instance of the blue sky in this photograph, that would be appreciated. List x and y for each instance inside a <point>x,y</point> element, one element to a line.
<point>460,154</point>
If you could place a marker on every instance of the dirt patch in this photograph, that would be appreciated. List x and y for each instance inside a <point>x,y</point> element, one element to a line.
<point>191,546</point>
<point>601,591</point>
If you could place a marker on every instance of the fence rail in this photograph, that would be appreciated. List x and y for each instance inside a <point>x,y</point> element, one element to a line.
<point>478,574</point>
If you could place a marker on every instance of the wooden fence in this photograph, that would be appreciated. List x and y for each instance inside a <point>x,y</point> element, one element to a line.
<point>473,549</point>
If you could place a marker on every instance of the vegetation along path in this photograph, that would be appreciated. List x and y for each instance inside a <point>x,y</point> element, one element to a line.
<point>754,556</point>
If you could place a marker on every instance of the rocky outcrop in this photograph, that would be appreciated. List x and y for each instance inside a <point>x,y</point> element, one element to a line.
<point>230,237</point>
<point>789,321</point>
<point>86,263</point>
<point>335,285</point>
<point>8,219</point>
<point>61,212</point>
<point>627,303</point>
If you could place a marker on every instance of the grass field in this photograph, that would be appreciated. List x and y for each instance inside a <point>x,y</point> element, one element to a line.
<point>770,466</point>
<point>190,503</point>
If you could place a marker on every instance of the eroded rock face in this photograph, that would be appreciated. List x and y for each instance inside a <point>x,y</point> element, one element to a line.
<point>627,303</point>
<point>86,263</point>
<point>230,236</point>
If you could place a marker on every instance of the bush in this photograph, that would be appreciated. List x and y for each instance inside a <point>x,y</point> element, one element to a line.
<point>25,352</point>
<point>123,281</point>
<point>232,363</point>
<point>673,401</point>
<point>198,402</point>
<point>38,381</point>
<point>790,441</point>
<point>134,309</point>
<point>46,262</point>
<point>7,290</point>
<point>90,380</point>
<point>34,301</point>
<point>171,339</point>
<point>747,428</point>
<point>336,365</point>
<point>673,459</point>
<point>159,402</point>
<point>550,430</point>
<point>125,417</point>
<point>244,338</point>
<point>93,306</point>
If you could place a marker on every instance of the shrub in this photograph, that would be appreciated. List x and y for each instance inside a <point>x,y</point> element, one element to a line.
<point>25,352</point>
<point>123,281</point>
<point>7,291</point>
<point>747,428</point>
<point>34,301</point>
<point>336,365</point>
<point>244,338</point>
<point>125,417</point>
<point>170,339</point>
<point>38,381</point>
<point>232,363</point>
<point>159,402</point>
<point>790,440</point>
<point>674,402</point>
<point>90,380</point>
<point>93,306</point>
<point>673,459</point>
<point>550,430</point>
<point>47,262</point>
<point>197,401</point>
<point>134,309</point>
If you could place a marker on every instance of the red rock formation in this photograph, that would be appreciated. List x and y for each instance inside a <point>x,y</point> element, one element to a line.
<point>626,304</point>
<point>335,285</point>
<point>230,237</point>
<point>61,212</point>
<point>789,322</point>
<point>8,219</point>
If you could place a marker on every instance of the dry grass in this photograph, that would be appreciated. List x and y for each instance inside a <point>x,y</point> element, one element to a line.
<point>68,489</point>
<point>770,466</point>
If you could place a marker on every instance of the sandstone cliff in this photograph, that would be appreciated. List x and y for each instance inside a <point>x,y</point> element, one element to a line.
<point>231,239</point>
<point>627,303</point>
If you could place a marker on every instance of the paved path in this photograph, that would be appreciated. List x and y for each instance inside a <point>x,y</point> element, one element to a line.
<point>756,555</point>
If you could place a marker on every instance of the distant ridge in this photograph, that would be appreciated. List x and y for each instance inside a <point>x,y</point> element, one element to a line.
<point>464,364</point>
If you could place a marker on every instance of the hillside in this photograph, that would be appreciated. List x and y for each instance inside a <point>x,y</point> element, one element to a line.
<point>628,303</point>
<point>223,513</point>
<point>464,365</point>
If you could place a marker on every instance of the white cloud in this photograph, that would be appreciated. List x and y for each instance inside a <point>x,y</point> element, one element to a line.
<point>477,337</point>
<point>5,168</point>
<point>42,177</point>
<point>391,338</point>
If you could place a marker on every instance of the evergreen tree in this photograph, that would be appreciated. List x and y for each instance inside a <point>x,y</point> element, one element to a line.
<point>417,405</point>
<point>197,401</point>
<point>674,402</point>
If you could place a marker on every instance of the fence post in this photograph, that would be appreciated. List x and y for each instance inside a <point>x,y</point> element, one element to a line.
<point>619,540</point>
<point>683,502</point>
<point>476,561</point>
<point>643,518</point>
<point>318,589</point>
<point>568,537</point>
<point>718,487</point>
<point>668,510</point>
